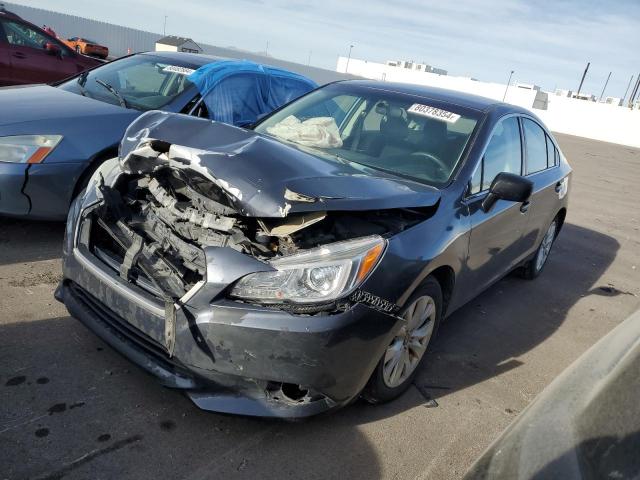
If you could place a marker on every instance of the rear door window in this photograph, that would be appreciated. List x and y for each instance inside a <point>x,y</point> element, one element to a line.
<point>22,35</point>
<point>535,146</point>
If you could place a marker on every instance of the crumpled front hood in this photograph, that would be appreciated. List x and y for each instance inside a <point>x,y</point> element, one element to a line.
<point>264,177</point>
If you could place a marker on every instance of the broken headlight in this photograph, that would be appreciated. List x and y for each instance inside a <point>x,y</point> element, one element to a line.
<point>320,274</point>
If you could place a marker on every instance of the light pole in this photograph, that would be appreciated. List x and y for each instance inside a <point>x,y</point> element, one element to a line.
<point>164,28</point>
<point>508,82</point>
<point>582,79</point>
<point>627,90</point>
<point>604,88</point>
<point>346,70</point>
<point>634,92</point>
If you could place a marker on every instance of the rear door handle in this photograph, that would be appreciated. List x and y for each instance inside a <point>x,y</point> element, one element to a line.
<point>525,206</point>
<point>19,55</point>
<point>558,187</point>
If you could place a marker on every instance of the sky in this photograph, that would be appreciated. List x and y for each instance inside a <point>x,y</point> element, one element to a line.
<point>546,42</point>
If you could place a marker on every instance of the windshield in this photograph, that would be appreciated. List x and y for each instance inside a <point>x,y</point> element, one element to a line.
<point>401,134</point>
<point>144,82</point>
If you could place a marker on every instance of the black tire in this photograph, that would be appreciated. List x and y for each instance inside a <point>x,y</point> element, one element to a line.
<point>377,390</point>
<point>532,269</point>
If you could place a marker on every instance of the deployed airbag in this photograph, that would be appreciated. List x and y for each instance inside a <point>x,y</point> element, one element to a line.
<point>321,132</point>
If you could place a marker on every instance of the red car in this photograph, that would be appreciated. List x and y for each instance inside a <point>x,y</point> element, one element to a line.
<point>28,54</point>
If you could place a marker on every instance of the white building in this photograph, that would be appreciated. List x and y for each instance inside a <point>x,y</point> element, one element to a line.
<point>406,72</point>
<point>418,67</point>
<point>561,92</point>
<point>177,44</point>
<point>562,112</point>
<point>617,101</point>
<point>584,96</point>
<point>528,86</point>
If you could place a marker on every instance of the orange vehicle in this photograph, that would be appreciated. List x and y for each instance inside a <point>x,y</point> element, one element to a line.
<point>87,47</point>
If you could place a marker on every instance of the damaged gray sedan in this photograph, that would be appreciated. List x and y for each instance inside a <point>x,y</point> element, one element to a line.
<point>291,267</point>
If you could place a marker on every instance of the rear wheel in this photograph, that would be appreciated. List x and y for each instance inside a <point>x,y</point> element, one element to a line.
<point>399,364</point>
<point>534,267</point>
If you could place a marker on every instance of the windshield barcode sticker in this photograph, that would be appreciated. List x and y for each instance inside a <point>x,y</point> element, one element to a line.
<point>433,112</point>
<point>178,70</point>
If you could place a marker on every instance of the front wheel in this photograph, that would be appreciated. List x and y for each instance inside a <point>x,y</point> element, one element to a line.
<point>534,267</point>
<point>399,364</point>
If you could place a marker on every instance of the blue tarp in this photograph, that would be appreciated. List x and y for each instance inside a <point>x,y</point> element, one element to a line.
<point>239,91</point>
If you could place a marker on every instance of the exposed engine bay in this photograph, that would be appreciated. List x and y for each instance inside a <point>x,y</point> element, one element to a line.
<point>152,227</point>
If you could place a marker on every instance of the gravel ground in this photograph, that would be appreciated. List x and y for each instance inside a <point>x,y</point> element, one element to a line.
<point>72,408</point>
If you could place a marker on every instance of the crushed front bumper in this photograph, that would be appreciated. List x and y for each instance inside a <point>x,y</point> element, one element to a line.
<point>229,356</point>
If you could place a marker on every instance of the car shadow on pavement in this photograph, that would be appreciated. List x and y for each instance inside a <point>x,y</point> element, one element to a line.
<point>486,337</point>
<point>28,241</point>
<point>70,407</point>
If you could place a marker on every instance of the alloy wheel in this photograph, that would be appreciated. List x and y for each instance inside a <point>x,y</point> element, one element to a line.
<point>407,349</point>
<point>545,246</point>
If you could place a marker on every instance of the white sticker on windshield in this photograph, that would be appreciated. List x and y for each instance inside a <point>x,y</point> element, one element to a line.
<point>178,70</point>
<point>433,112</point>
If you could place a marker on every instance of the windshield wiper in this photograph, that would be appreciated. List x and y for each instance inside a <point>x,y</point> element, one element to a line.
<point>82,79</point>
<point>121,100</point>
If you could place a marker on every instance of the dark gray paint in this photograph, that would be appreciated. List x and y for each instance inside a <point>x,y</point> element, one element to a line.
<point>262,168</point>
<point>243,346</point>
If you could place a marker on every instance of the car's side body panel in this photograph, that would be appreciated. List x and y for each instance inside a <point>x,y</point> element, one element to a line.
<point>504,237</point>
<point>12,180</point>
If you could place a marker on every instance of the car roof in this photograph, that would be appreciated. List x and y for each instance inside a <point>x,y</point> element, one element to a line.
<point>194,58</point>
<point>7,14</point>
<point>462,99</point>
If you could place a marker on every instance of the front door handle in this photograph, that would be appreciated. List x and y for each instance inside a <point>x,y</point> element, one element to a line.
<point>525,206</point>
<point>19,55</point>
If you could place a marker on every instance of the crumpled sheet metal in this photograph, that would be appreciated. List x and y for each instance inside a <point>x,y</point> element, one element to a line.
<point>260,175</point>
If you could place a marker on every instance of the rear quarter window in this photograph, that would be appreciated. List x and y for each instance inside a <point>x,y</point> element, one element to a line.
<point>535,146</point>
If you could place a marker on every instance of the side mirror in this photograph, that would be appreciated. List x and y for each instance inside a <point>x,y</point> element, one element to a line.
<point>510,187</point>
<point>52,48</point>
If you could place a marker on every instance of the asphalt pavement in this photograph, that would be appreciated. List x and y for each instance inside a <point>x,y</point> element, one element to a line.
<point>72,408</point>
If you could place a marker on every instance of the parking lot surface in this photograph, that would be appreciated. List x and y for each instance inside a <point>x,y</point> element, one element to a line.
<point>72,408</point>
